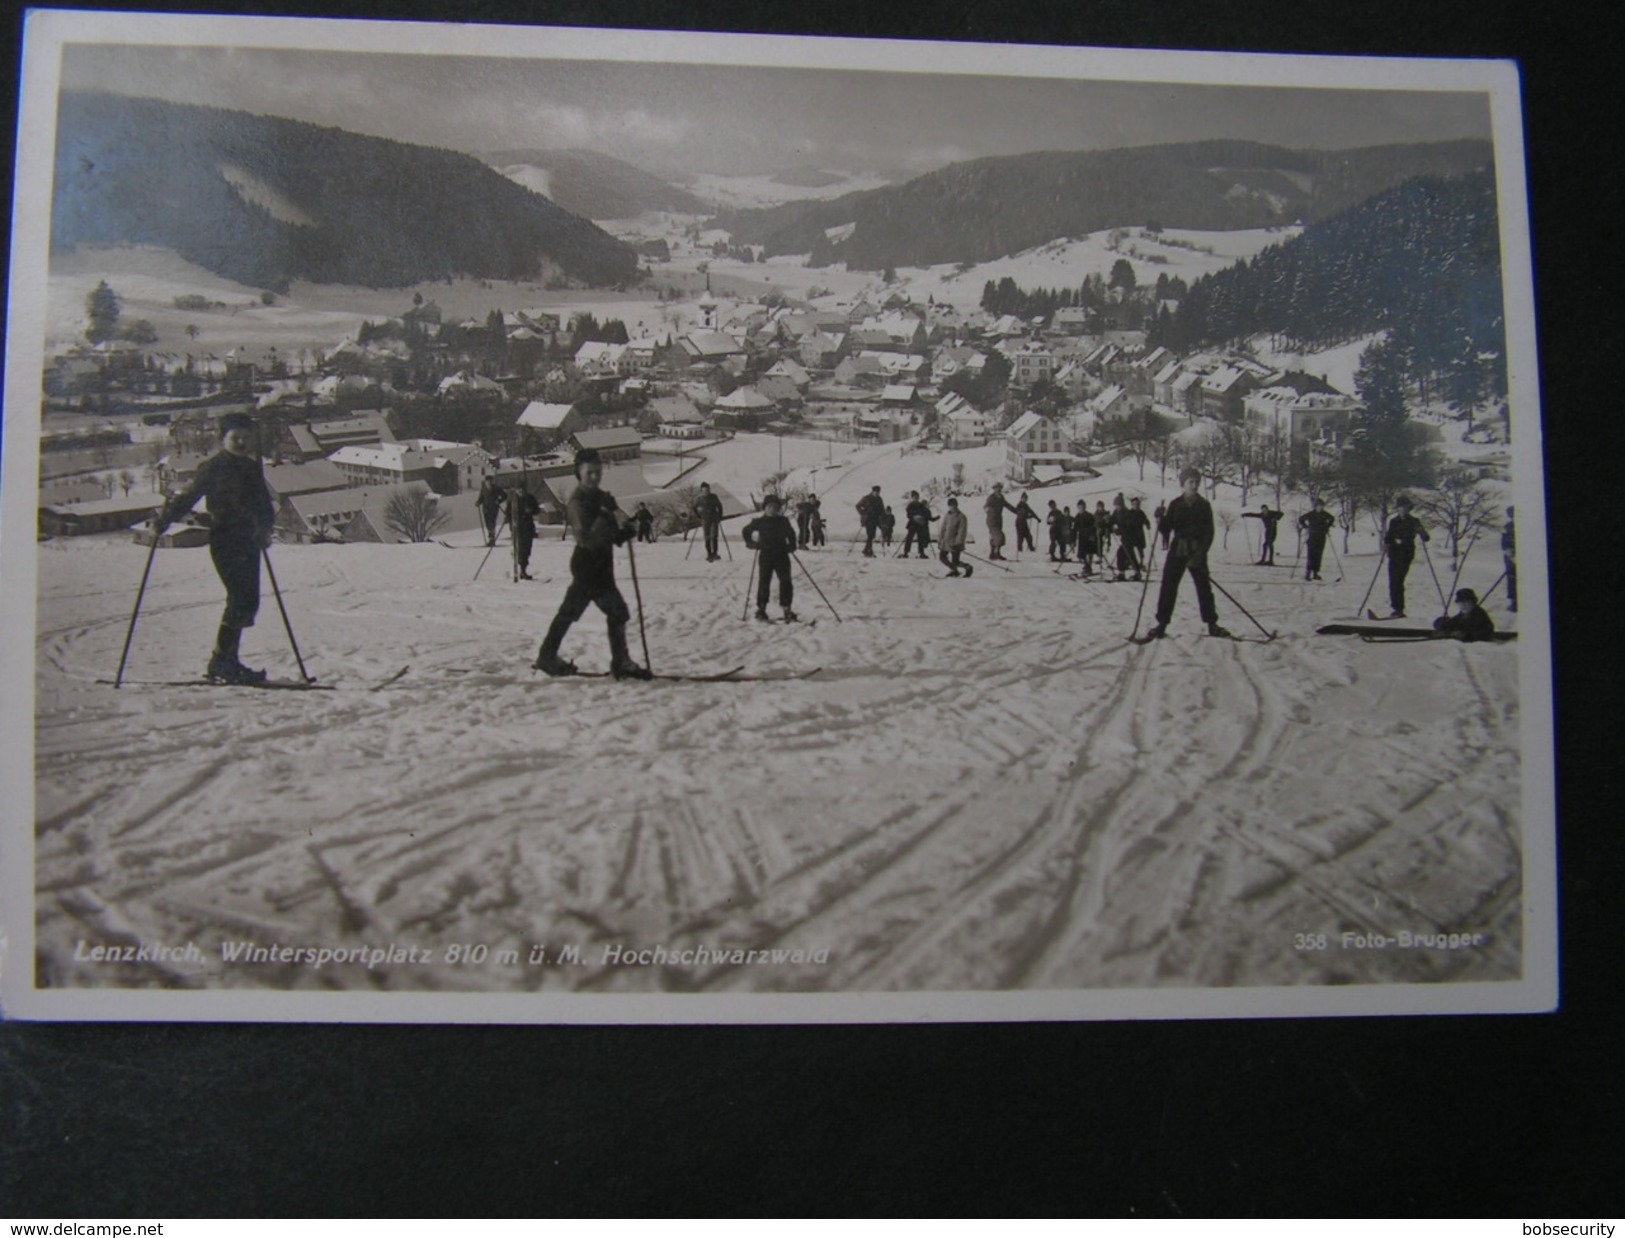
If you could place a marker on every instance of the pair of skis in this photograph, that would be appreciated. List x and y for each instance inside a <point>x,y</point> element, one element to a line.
<point>735,675</point>
<point>274,685</point>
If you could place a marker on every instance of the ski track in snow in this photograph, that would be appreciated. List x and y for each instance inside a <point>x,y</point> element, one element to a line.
<point>985,787</point>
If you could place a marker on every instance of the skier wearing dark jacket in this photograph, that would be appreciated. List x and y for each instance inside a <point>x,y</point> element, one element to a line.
<point>598,526</point>
<point>523,508</point>
<point>1271,520</point>
<point>1134,528</point>
<point>1317,524</point>
<point>490,505</point>
<point>1086,536</point>
<point>708,509</point>
<point>871,510</point>
<point>241,520</point>
<point>1189,521</point>
<point>1025,515</point>
<point>773,538</point>
<point>917,518</point>
<point>1400,542</point>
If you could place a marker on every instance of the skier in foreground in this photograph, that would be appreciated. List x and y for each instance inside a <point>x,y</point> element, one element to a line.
<point>917,524</point>
<point>871,508</point>
<point>1134,524</point>
<point>951,545</point>
<point>773,537</point>
<point>241,517</point>
<point>1400,541</point>
<point>1189,521</point>
<point>598,526</point>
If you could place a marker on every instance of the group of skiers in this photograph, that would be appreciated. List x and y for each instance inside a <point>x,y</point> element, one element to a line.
<point>242,516</point>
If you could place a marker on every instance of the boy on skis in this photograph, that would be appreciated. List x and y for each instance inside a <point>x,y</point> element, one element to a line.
<point>1317,523</point>
<point>917,517</point>
<point>241,517</point>
<point>773,537</point>
<point>598,526</point>
<point>1189,521</point>
<point>708,509</point>
<point>523,508</point>
<point>1400,542</point>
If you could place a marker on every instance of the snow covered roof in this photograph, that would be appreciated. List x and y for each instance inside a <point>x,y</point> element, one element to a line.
<point>1222,380</point>
<point>711,344</point>
<point>744,399</point>
<point>898,393</point>
<point>396,457</point>
<point>597,353</point>
<point>1106,399</point>
<point>1023,425</point>
<point>543,416</point>
<point>607,440</point>
<point>287,479</point>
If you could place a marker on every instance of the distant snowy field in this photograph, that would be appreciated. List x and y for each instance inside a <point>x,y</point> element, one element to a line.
<point>985,787</point>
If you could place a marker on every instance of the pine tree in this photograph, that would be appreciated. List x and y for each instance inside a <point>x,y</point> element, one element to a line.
<point>102,308</point>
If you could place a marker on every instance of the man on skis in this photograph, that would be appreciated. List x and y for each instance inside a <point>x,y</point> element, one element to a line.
<point>1134,527</point>
<point>598,526</point>
<point>523,508</point>
<point>773,538</point>
<point>708,510</point>
<point>917,518</point>
<point>871,510</point>
<point>1025,516</point>
<point>490,505</point>
<point>1271,520</point>
<point>1316,524</point>
<point>1189,522</point>
<point>1400,542</point>
<point>241,521</point>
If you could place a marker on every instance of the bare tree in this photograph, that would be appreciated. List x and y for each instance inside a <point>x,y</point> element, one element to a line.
<point>414,514</point>
<point>1238,443</point>
<point>126,481</point>
<point>1462,504</point>
<point>1274,455</point>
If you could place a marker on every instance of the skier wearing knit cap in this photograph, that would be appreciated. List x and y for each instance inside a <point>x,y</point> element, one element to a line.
<point>241,516</point>
<point>1189,521</point>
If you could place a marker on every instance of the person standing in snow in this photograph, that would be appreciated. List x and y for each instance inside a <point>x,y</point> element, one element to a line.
<point>598,526</point>
<point>1162,529</point>
<point>523,508</point>
<point>888,522</point>
<point>1086,538</point>
<point>773,537</point>
<point>804,510</point>
<point>1471,622</point>
<point>817,521</point>
<point>241,522</point>
<point>1103,533</point>
<point>1271,520</point>
<point>995,507</point>
<point>490,504</point>
<point>1509,558</point>
<point>1133,528</point>
<point>871,510</point>
<point>1400,542</point>
<point>1057,533</point>
<point>644,519</point>
<point>708,508</point>
<point>1025,516</point>
<point>1189,520</point>
<point>952,545</point>
<point>917,520</point>
<point>1317,526</point>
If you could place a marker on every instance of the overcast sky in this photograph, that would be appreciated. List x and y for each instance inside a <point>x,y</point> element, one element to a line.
<point>670,118</point>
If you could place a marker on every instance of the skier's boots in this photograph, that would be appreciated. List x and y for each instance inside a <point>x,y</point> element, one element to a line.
<point>1156,631</point>
<point>621,665</point>
<point>969,570</point>
<point>1215,629</point>
<point>790,616</point>
<point>761,613</point>
<point>549,663</point>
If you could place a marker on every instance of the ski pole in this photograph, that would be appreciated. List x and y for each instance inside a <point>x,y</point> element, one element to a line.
<point>1230,597</point>
<point>749,584</point>
<point>1360,609</point>
<point>139,594</point>
<point>1150,562</point>
<point>1438,588</point>
<point>989,562</point>
<point>270,571</point>
<point>1461,562</point>
<point>1488,593</point>
<point>816,589</point>
<point>492,546</point>
<point>726,545</point>
<point>637,592</point>
<point>1339,559</point>
<point>690,549</point>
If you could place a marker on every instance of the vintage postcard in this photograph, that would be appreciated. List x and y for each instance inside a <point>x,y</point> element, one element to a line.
<point>536,525</point>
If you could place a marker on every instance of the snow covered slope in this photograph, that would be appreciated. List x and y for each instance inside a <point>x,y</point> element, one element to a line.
<point>985,787</point>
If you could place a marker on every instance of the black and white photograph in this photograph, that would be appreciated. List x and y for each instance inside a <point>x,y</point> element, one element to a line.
<point>566,525</point>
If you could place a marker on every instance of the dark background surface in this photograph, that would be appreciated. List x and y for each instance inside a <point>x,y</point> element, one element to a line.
<point>1488,1115</point>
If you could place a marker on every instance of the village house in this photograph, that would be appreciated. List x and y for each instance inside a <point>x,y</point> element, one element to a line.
<point>1111,404</point>
<point>386,464</point>
<point>1224,390</point>
<point>621,443</point>
<point>1316,416</point>
<point>743,408</point>
<point>316,439</point>
<point>1036,449</point>
<point>1031,363</point>
<point>95,516</point>
<point>554,422</point>
<point>822,350</point>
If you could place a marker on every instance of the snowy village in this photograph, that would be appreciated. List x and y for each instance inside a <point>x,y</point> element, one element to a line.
<point>992,713</point>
